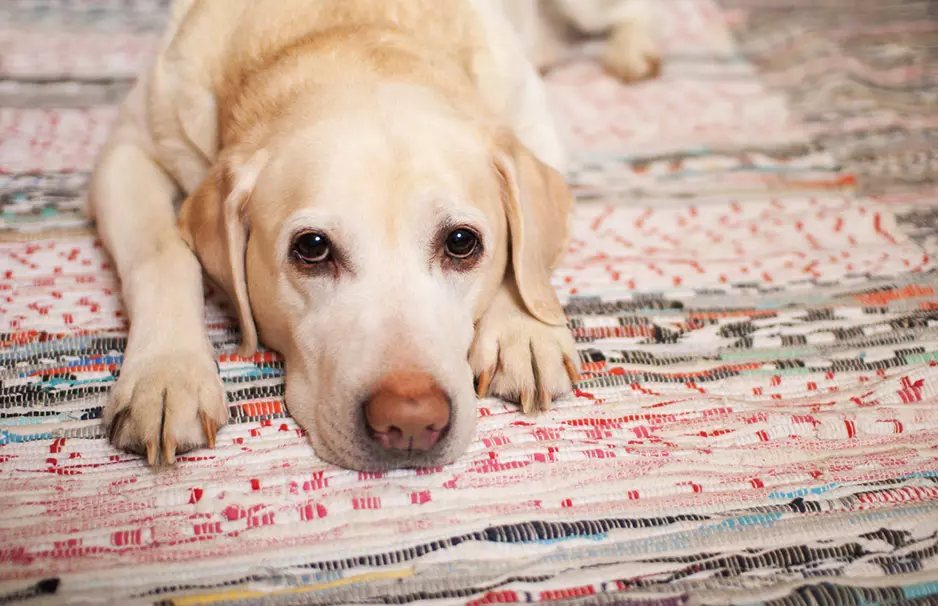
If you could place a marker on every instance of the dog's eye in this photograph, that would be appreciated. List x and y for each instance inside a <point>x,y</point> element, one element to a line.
<point>312,248</point>
<point>462,243</point>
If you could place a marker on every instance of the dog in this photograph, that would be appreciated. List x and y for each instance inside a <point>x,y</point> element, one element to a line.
<point>377,185</point>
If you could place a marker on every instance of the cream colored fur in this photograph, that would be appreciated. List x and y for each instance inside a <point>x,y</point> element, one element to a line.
<point>380,123</point>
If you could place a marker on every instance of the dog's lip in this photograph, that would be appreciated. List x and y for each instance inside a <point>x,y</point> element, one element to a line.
<point>374,459</point>
<point>357,450</point>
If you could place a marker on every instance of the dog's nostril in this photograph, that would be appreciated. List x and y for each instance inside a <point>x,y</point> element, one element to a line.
<point>406,439</point>
<point>408,411</point>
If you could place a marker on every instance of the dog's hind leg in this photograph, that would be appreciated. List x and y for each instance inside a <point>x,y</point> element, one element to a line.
<point>633,49</point>
<point>169,397</point>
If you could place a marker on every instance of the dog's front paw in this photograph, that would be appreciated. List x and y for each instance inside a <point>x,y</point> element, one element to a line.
<point>166,404</point>
<point>520,359</point>
<point>632,53</point>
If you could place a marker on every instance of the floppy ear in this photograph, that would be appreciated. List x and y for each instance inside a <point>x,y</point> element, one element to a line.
<point>537,203</point>
<point>214,225</point>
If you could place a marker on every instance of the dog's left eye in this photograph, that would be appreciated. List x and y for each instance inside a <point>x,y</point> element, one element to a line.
<point>312,248</point>
<point>462,244</point>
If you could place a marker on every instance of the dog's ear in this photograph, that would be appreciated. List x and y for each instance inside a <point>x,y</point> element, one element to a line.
<point>537,203</point>
<point>213,222</point>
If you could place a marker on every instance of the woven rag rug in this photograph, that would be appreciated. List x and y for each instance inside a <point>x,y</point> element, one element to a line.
<point>752,285</point>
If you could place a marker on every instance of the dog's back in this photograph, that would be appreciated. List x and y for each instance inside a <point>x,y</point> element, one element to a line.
<point>244,33</point>
<point>213,46</point>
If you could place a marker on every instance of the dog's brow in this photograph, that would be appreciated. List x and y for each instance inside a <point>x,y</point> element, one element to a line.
<point>453,214</point>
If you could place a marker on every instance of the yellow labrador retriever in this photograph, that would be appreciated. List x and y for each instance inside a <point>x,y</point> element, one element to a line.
<point>377,185</point>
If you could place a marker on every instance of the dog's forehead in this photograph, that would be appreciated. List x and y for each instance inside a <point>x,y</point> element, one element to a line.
<point>367,166</point>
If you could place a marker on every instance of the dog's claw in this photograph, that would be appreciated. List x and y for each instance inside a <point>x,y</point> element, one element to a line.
<point>527,403</point>
<point>209,428</point>
<point>485,382</point>
<point>572,371</point>
<point>542,394</point>
<point>117,423</point>
<point>153,454</point>
<point>169,450</point>
<point>536,402</point>
<point>544,399</point>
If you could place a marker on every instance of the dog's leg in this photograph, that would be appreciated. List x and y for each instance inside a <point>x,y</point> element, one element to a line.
<point>515,356</point>
<point>168,398</point>
<point>632,51</point>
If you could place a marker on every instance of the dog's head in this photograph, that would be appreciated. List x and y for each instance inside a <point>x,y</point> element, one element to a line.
<point>363,244</point>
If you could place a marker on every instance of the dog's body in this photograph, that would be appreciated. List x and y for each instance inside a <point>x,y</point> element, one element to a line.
<point>353,171</point>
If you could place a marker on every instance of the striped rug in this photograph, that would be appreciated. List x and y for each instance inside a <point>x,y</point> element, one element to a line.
<point>753,289</point>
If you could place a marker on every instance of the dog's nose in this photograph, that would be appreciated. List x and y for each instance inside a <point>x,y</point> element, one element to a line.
<point>408,411</point>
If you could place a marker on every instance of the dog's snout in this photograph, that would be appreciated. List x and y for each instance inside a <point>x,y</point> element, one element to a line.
<point>408,411</point>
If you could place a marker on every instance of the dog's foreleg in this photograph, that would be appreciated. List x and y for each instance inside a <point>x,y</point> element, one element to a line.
<point>168,398</point>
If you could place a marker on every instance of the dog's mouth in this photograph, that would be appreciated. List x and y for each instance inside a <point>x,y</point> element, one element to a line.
<point>361,448</point>
<point>375,458</point>
<point>342,435</point>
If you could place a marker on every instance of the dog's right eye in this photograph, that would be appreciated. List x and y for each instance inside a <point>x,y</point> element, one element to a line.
<point>312,248</point>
